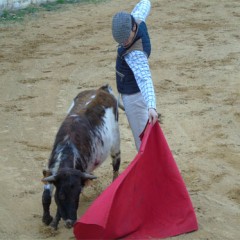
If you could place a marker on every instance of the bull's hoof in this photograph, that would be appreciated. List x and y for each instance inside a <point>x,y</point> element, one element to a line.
<point>47,220</point>
<point>115,175</point>
<point>69,223</point>
<point>54,225</point>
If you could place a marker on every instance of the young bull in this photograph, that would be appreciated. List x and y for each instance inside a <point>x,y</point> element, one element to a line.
<point>85,139</point>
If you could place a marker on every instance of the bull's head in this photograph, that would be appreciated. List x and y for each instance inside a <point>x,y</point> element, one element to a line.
<point>69,184</point>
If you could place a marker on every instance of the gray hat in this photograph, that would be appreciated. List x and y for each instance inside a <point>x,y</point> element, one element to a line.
<point>121,26</point>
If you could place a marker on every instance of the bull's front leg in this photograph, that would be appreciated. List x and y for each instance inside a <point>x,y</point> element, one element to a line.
<point>46,202</point>
<point>55,222</point>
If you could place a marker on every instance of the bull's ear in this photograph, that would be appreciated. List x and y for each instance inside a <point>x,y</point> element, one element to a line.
<point>46,172</point>
<point>86,176</point>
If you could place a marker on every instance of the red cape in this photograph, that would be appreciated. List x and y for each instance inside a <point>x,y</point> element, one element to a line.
<point>148,200</point>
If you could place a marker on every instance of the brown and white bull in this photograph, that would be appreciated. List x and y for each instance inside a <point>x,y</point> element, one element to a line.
<point>87,136</point>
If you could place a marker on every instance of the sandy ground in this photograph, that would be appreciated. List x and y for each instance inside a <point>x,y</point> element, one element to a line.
<point>46,60</point>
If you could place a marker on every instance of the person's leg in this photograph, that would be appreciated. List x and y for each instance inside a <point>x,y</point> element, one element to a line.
<point>137,114</point>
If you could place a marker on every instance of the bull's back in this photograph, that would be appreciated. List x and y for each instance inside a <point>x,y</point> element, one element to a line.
<point>90,101</point>
<point>89,131</point>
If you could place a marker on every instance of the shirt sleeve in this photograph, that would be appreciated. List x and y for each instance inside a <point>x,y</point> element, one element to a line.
<point>141,10</point>
<point>138,62</point>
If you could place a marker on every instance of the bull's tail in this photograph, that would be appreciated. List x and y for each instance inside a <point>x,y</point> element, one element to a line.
<point>119,104</point>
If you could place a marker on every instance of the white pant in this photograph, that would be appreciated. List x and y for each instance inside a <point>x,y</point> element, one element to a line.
<point>137,114</point>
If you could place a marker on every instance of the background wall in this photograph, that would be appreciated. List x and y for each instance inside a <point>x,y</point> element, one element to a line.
<point>18,4</point>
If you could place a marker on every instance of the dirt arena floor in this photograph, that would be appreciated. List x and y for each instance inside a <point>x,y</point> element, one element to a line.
<point>51,56</point>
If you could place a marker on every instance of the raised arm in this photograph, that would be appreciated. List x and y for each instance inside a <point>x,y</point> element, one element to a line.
<point>141,10</point>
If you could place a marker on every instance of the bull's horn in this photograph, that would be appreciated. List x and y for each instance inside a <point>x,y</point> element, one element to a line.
<point>49,179</point>
<point>88,176</point>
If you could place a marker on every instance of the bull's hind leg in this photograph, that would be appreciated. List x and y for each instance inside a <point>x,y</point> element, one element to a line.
<point>115,151</point>
<point>116,154</point>
<point>116,161</point>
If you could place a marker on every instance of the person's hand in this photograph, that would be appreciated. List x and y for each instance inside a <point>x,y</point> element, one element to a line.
<point>152,115</point>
